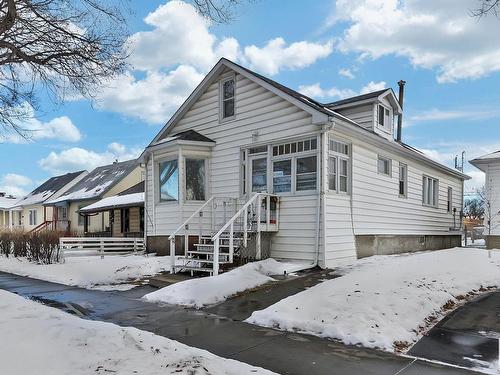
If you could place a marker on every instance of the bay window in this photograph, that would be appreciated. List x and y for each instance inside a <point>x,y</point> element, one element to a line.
<point>195,179</point>
<point>338,166</point>
<point>169,180</point>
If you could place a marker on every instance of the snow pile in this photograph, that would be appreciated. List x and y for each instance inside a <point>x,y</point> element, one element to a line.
<point>90,272</point>
<point>209,290</point>
<point>385,302</point>
<point>42,340</point>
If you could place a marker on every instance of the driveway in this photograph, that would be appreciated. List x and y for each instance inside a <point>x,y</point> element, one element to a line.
<point>282,352</point>
<point>467,337</point>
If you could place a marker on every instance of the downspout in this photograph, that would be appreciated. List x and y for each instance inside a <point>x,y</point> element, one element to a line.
<point>321,190</point>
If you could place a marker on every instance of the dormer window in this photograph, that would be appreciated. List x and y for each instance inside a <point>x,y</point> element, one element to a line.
<point>384,116</point>
<point>227,99</point>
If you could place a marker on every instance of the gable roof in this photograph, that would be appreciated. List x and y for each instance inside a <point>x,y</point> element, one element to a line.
<point>48,189</point>
<point>98,182</point>
<point>353,99</point>
<point>321,113</point>
<point>481,161</point>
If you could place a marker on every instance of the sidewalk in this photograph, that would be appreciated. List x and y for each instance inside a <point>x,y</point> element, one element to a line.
<point>282,352</point>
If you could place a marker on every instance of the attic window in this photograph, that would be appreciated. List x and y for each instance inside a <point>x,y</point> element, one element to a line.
<point>227,99</point>
<point>384,115</point>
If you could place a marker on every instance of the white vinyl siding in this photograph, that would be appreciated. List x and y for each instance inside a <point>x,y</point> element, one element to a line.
<point>261,118</point>
<point>376,207</point>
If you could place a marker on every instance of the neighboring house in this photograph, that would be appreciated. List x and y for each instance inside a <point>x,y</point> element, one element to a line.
<point>102,182</point>
<point>34,215</point>
<point>490,165</point>
<point>346,188</point>
<point>8,215</point>
<point>126,211</point>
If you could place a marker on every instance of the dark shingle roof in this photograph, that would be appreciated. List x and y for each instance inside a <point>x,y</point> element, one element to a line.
<point>48,188</point>
<point>98,182</point>
<point>137,188</point>
<point>358,98</point>
<point>191,135</point>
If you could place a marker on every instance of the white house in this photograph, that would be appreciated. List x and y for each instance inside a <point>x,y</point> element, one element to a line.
<point>490,165</point>
<point>7,213</point>
<point>248,163</point>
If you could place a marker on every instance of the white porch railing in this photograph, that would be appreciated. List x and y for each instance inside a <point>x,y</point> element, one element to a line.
<point>255,223</point>
<point>91,246</point>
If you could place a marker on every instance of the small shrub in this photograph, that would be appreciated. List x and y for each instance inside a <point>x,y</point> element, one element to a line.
<point>41,247</point>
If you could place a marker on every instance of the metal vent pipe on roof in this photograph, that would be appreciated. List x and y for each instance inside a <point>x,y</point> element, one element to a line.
<point>401,85</point>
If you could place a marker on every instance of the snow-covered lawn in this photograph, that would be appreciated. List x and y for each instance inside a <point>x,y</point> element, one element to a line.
<point>113,272</point>
<point>37,339</point>
<point>386,302</point>
<point>210,290</point>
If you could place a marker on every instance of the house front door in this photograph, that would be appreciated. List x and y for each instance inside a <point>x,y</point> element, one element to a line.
<point>258,174</point>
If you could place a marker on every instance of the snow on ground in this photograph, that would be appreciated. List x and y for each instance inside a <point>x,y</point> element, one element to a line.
<point>385,302</point>
<point>209,290</point>
<point>42,340</point>
<point>113,272</point>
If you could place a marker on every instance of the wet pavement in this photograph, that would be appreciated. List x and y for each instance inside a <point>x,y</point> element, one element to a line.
<point>467,336</point>
<point>282,352</point>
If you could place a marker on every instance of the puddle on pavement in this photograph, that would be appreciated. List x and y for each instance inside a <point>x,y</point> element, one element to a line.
<point>71,308</point>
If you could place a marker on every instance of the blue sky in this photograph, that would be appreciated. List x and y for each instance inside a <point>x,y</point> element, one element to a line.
<point>326,49</point>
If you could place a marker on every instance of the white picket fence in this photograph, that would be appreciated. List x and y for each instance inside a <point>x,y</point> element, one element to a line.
<point>91,246</point>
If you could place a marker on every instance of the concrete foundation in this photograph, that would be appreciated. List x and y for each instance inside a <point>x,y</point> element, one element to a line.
<point>492,242</point>
<point>368,245</point>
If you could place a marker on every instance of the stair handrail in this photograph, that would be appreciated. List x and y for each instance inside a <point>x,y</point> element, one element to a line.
<point>182,226</point>
<point>230,224</point>
<point>41,226</point>
<point>196,213</point>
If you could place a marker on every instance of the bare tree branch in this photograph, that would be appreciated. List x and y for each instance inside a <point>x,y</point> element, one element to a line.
<point>485,8</point>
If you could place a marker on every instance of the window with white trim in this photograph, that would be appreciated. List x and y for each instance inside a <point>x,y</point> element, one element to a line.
<point>195,179</point>
<point>384,117</point>
<point>227,98</point>
<point>169,180</point>
<point>306,173</point>
<point>282,176</point>
<point>403,180</point>
<point>449,203</point>
<point>384,165</point>
<point>338,166</point>
<point>32,217</point>
<point>430,191</point>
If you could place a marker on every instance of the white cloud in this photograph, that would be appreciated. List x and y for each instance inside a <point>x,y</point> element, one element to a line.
<point>173,57</point>
<point>346,73</point>
<point>277,55</point>
<point>373,86</point>
<point>59,128</point>
<point>437,35</point>
<point>153,98</point>
<point>77,158</point>
<point>316,91</point>
<point>435,114</point>
<point>15,184</point>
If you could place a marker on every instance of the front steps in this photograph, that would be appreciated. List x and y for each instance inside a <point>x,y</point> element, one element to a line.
<point>201,259</point>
